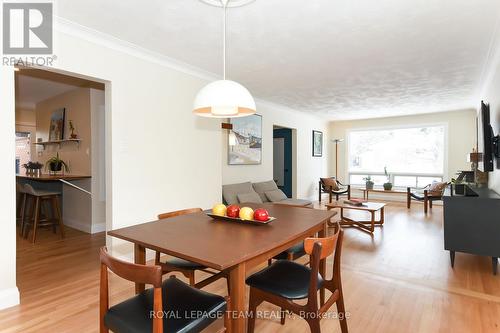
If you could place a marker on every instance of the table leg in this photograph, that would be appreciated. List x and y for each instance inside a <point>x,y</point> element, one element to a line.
<point>372,227</point>
<point>140,259</point>
<point>237,290</point>
<point>366,195</point>
<point>322,266</point>
<point>382,216</point>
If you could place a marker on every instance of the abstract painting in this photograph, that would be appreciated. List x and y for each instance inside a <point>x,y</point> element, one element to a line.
<point>56,131</point>
<point>245,141</point>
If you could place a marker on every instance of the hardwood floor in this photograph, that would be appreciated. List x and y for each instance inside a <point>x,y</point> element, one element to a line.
<point>399,280</point>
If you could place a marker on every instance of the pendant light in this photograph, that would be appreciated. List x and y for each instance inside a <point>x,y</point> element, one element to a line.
<point>224,98</point>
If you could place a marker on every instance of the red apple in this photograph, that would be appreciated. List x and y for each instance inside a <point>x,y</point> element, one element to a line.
<point>233,211</point>
<point>261,215</point>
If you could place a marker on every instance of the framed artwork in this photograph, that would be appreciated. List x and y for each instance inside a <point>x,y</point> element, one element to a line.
<point>57,119</point>
<point>317,143</point>
<point>245,141</point>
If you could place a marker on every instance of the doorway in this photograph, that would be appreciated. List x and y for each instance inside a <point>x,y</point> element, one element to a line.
<point>283,159</point>
<point>59,116</point>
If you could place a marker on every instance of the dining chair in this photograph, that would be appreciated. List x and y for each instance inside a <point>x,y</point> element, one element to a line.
<point>285,281</point>
<point>293,253</point>
<point>186,267</point>
<point>167,307</point>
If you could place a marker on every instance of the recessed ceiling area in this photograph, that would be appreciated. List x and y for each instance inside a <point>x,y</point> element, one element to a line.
<point>339,59</point>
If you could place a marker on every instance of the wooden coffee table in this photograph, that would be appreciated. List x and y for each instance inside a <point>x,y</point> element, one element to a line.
<point>371,207</point>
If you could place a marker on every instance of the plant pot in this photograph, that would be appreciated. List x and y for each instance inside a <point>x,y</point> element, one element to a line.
<point>55,167</point>
<point>387,186</point>
<point>369,185</point>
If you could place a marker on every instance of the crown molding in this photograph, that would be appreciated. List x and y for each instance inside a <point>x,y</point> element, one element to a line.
<point>94,36</point>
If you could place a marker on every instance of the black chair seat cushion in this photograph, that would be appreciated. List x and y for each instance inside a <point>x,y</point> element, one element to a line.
<point>182,305</point>
<point>184,264</point>
<point>420,196</point>
<point>297,251</point>
<point>284,278</point>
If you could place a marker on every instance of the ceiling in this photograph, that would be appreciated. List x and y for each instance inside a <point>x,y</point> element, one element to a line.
<point>34,85</point>
<point>341,59</point>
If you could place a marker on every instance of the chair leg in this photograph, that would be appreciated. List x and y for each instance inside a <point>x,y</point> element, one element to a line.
<point>227,315</point>
<point>37,217</point>
<point>426,205</point>
<point>430,204</point>
<point>282,316</point>
<point>55,205</point>
<point>23,213</point>
<point>341,312</point>
<point>228,283</point>
<point>191,278</point>
<point>269,262</point>
<point>30,202</point>
<point>314,325</point>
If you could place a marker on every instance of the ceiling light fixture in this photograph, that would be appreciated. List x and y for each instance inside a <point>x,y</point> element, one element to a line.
<point>224,98</point>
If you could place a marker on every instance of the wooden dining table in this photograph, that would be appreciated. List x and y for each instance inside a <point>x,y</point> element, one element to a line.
<point>228,246</point>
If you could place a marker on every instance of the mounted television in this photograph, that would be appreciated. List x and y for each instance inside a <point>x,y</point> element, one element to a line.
<point>486,140</point>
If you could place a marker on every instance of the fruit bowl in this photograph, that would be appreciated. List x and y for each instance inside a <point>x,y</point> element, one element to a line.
<point>239,220</point>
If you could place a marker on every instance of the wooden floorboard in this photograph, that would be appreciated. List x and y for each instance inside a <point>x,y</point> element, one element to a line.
<point>399,280</point>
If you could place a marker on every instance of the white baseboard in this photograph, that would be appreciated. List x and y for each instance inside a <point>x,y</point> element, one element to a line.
<point>98,227</point>
<point>78,225</point>
<point>9,297</point>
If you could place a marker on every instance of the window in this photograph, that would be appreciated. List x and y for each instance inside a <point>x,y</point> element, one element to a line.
<point>413,156</point>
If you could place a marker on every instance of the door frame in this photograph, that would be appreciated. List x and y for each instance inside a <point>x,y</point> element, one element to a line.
<point>294,156</point>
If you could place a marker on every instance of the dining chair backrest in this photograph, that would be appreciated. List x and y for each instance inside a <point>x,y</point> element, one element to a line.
<point>147,274</point>
<point>318,249</point>
<point>179,212</point>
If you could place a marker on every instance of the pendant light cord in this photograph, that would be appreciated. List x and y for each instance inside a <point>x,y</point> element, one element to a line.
<point>224,4</point>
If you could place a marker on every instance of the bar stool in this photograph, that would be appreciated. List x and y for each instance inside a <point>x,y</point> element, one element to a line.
<point>41,218</point>
<point>20,203</point>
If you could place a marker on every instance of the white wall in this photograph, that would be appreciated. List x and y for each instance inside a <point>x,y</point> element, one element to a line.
<point>461,136</point>
<point>163,157</point>
<point>491,95</point>
<point>308,169</point>
<point>8,290</point>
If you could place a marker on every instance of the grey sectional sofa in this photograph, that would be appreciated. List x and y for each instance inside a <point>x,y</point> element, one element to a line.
<point>258,193</point>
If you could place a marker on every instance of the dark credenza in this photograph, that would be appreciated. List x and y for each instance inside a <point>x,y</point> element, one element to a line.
<point>472,223</point>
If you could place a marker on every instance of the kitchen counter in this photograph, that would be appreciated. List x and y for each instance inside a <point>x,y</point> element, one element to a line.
<point>51,178</point>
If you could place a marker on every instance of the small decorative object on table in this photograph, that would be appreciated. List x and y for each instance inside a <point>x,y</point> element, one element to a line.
<point>354,202</point>
<point>55,165</point>
<point>244,215</point>
<point>369,182</point>
<point>72,129</point>
<point>388,184</point>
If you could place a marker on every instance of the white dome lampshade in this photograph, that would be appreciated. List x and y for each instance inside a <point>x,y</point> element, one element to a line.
<point>224,99</point>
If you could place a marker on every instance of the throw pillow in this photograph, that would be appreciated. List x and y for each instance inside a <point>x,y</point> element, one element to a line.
<point>436,189</point>
<point>251,197</point>
<point>276,195</point>
<point>330,182</point>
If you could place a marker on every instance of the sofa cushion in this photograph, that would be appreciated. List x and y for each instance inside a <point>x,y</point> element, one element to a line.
<point>263,187</point>
<point>251,197</point>
<point>296,202</point>
<point>276,195</point>
<point>230,192</point>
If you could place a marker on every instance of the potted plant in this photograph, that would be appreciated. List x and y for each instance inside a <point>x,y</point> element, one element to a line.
<point>368,182</point>
<point>33,168</point>
<point>55,164</point>
<point>388,184</point>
